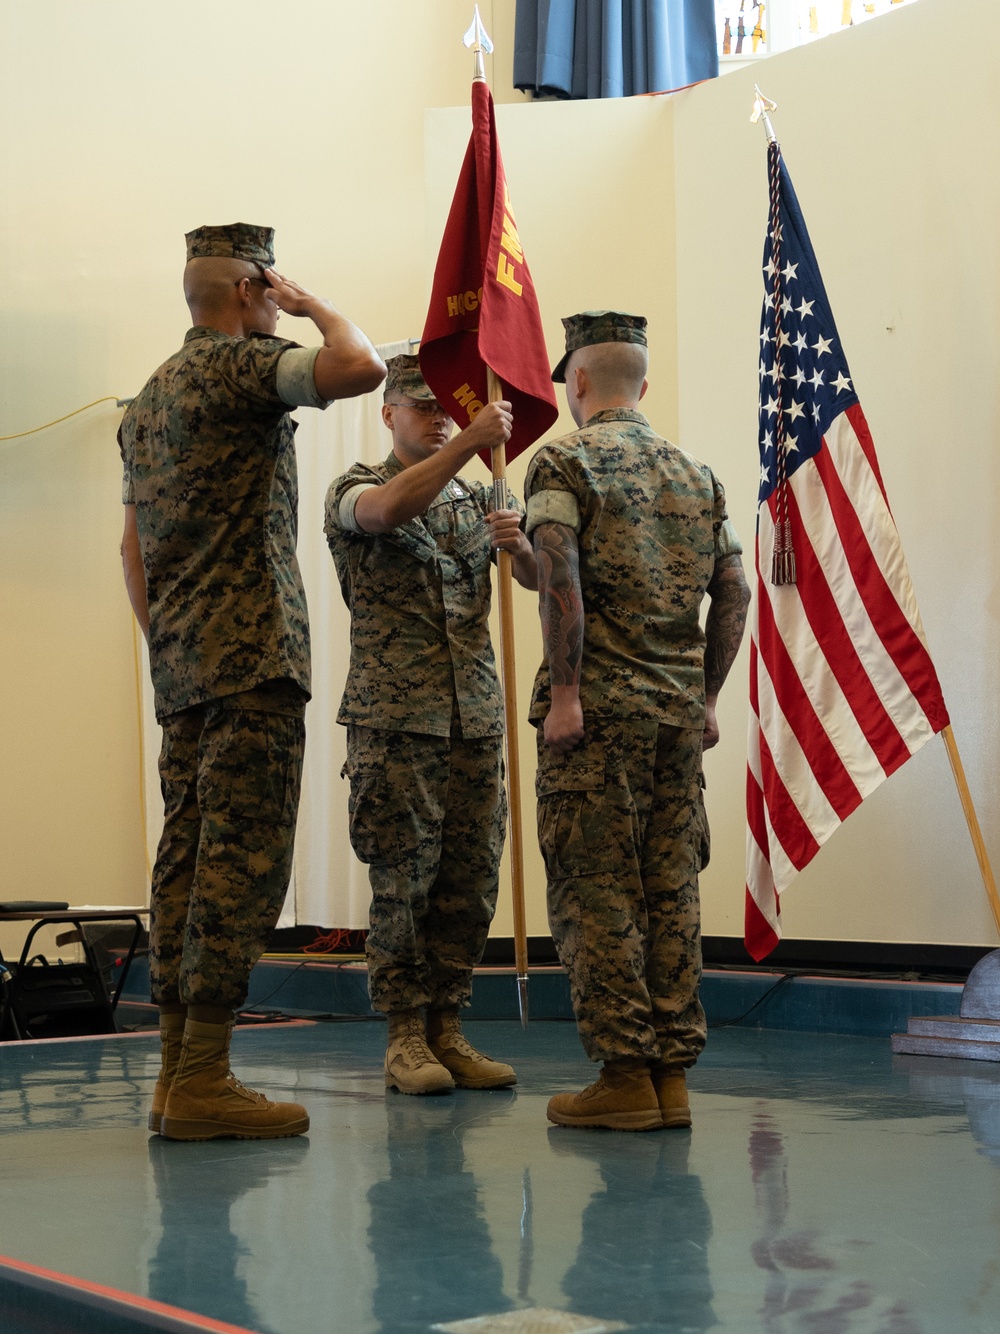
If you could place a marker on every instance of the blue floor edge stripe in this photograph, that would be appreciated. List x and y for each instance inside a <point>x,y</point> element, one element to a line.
<point>862,1007</point>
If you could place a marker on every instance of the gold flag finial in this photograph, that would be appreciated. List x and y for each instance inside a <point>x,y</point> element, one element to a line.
<point>477,39</point>
<point>761,106</point>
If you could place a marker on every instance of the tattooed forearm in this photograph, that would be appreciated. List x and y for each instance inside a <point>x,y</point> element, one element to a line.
<point>725,622</point>
<point>560,601</point>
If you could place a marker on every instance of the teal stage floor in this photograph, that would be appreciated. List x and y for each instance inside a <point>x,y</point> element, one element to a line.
<point>826,1188</point>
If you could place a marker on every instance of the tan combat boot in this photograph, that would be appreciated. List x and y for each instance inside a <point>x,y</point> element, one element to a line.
<point>410,1065</point>
<point>207,1101</point>
<point>622,1098</point>
<point>469,1068</point>
<point>171,1032</point>
<point>671,1093</point>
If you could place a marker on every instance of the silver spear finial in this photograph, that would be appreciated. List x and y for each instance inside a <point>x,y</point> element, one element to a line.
<point>761,106</point>
<point>477,39</point>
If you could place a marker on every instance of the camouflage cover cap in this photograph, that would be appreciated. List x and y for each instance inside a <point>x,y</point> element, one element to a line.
<point>599,326</point>
<point>404,378</point>
<point>238,240</point>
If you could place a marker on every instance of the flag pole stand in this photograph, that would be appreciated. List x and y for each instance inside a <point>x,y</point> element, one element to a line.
<point>974,1033</point>
<point>498,457</point>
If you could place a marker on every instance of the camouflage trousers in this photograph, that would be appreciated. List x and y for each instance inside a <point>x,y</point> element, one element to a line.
<point>622,829</point>
<point>428,814</point>
<point>230,773</point>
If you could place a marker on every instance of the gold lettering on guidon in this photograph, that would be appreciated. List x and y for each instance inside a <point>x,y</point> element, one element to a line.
<point>463,303</point>
<point>466,397</point>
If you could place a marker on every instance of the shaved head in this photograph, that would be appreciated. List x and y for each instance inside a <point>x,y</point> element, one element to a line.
<point>614,370</point>
<point>210,283</point>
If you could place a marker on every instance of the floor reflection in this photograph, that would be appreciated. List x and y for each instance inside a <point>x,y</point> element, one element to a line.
<point>826,1189</point>
<point>74,1085</point>
<point>804,1289</point>
<point>434,1257</point>
<point>643,1255</point>
<point>199,1259</point>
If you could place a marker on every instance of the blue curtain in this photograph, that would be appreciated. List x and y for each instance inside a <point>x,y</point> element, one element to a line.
<point>613,48</point>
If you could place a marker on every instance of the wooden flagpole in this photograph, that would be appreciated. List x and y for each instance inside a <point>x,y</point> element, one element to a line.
<point>972,820</point>
<point>478,40</point>
<point>505,590</point>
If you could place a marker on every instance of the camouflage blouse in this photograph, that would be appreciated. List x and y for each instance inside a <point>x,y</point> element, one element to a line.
<point>651,523</point>
<point>419,597</point>
<point>209,457</point>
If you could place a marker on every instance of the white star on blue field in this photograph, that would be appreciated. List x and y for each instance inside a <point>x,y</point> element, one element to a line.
<point>803,367</point>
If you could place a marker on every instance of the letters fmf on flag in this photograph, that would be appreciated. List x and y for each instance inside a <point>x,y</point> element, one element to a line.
<point>483,310</point>
<point>842,688</point>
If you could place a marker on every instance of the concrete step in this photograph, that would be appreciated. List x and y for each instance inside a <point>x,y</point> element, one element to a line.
<point>954,1026</point>
<point>915,1044</point>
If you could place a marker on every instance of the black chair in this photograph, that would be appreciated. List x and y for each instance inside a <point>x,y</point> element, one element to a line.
<point>48,1000</point>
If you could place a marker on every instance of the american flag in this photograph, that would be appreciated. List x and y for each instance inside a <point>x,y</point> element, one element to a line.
<point>842,688</point>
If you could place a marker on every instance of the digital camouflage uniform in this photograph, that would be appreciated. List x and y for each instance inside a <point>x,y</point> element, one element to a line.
<point>621,820</point>
<point>424,715</point>
<point>209,463</point>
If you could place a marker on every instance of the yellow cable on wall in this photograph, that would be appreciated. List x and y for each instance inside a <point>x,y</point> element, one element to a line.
<point>108,398</point>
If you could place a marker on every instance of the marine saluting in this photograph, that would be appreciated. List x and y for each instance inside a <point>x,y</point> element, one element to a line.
<point>208,550</point>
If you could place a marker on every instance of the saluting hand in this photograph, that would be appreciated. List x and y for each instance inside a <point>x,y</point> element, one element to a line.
<point>290,296</point>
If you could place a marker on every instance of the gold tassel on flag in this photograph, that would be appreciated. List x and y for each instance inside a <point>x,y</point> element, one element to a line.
<point>783,557</point>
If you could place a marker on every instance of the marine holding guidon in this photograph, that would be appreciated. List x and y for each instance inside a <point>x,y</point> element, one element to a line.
<point>412,541</point>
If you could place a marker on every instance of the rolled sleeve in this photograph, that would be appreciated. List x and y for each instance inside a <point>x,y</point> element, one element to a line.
<point>553,507</point>
<point>726,538</point>
<point>296,380</point>
<point>346,506</point>
<point>727,541</point>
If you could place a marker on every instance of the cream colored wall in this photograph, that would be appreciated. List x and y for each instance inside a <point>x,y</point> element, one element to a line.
<point>659,205</point>
<point>125,124</point>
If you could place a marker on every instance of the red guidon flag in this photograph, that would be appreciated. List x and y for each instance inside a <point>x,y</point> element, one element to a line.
<point>483,309</point>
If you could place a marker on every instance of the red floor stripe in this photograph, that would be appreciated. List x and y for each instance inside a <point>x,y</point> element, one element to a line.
<point>99,1295</point>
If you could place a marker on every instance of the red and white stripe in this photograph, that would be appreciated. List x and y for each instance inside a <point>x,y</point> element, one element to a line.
<point>842,688</point>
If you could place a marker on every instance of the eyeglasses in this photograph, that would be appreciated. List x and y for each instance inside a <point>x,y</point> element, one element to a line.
<point>425,407</point>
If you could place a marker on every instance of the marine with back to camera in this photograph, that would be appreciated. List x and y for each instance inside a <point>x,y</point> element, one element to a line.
<point>209,559</point>
<point>630,534</point>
